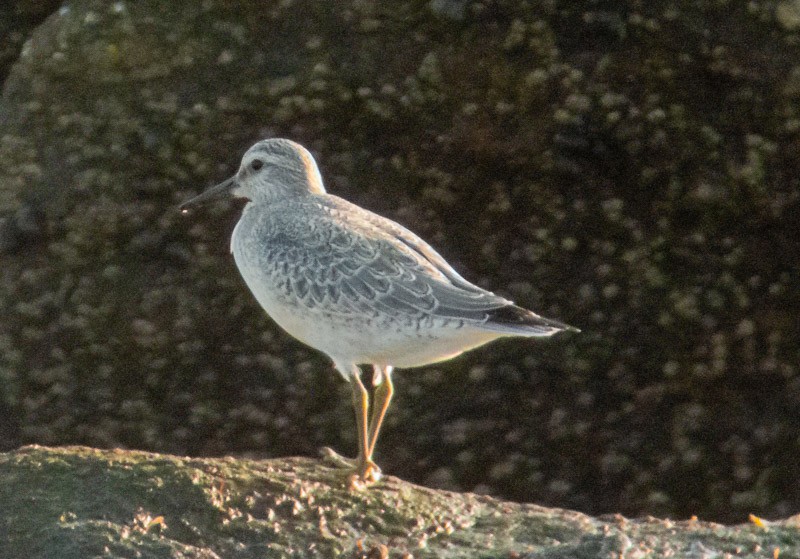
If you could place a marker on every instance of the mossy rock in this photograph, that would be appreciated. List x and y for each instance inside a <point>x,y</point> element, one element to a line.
<point>77,502</point>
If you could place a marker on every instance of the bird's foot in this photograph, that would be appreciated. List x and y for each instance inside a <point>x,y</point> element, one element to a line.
<point>367,471</point>
<point>363,471</point>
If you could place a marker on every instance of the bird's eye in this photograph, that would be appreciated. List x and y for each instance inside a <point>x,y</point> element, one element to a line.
<point>256,164</point>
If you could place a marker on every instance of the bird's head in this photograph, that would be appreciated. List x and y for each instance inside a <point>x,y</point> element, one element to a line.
<point>270,170</point>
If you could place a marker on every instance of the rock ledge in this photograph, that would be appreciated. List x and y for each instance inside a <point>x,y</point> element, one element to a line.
<point>83,502</point>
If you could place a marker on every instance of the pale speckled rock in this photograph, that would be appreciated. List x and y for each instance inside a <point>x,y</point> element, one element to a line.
<point>788,14</point>
<point>629,170</point>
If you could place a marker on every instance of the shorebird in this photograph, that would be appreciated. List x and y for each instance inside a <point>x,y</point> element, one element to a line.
<point>357,286</point>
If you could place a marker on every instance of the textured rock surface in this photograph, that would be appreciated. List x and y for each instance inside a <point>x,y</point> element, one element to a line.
<point>78,502</point>
<point>17,19</point>
<point>631,170</point>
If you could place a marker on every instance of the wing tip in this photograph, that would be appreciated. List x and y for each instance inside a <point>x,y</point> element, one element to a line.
<point>523,319</point>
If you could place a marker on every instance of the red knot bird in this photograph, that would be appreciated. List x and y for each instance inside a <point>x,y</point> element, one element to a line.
<point>357,286</point>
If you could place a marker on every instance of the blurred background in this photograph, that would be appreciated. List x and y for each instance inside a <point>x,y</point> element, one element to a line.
<point>631,168</point>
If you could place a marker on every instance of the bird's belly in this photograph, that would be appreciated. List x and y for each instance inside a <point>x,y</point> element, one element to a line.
<point>376,341</point>
<point>370,340</point>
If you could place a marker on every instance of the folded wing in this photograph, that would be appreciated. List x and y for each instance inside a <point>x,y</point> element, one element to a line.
<point>361,263</point>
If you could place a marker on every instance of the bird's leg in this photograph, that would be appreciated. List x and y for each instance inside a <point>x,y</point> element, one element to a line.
<point>360,405</point>
<point>366,469</point>
<point>380,403</point>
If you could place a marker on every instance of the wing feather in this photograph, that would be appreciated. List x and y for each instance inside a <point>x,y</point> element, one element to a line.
<point>347,260</point>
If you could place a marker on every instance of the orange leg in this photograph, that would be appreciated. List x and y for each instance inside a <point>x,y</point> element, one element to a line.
<point>366,469</point>
<point>380,403</point>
